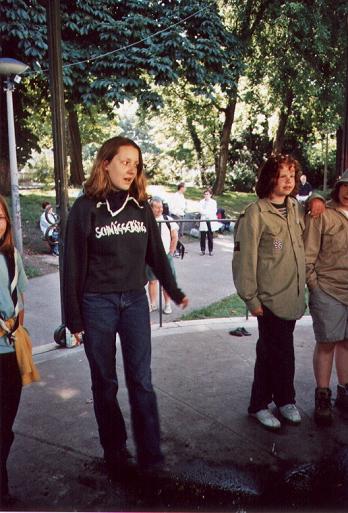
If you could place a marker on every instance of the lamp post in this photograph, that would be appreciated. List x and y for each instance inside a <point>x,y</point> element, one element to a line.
<point>12,68</point>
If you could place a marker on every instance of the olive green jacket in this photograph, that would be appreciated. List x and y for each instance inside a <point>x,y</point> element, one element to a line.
<point>326,245</point>
<point>268,261</point>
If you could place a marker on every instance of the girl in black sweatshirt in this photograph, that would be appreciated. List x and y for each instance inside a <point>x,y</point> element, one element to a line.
<point>111,234</point>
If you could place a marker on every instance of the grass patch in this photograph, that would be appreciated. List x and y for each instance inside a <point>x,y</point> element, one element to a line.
<point>30,214</point>
<point>230,306</point>
<point>31,272</point>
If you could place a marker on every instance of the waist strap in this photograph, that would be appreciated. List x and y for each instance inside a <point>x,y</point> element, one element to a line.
<point>7,328</point>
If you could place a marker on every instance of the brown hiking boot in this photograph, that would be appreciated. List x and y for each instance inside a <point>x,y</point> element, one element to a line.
<point>323,407</point>
<point>342,397</point>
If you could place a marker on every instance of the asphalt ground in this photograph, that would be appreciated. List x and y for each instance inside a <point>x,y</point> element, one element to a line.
<point>218,458</point>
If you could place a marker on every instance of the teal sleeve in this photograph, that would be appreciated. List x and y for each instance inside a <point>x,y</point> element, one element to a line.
<point>22,277</point>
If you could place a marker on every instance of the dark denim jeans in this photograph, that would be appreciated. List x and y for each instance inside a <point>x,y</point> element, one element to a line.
<point>275,363</point>
<point>10,394</point>
<point>126,313</point>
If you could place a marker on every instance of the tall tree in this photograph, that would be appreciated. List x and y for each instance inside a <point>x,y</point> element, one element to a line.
<point>114,49</point>
<point>298,57</point>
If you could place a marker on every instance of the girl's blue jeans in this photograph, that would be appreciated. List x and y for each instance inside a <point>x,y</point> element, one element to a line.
<point>125,313</point>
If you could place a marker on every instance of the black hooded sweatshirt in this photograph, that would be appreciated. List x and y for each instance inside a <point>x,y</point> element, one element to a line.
<point>107,244</point>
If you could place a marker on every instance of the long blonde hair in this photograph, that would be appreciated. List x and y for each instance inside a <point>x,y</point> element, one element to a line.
<point>6,244</point>
<point>98,185</point>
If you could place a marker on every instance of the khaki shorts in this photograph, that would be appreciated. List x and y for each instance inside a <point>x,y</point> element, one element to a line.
<point>150,275</point>
<point>330,317</point>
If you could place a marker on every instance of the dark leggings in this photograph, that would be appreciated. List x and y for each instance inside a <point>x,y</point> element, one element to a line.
<point>10,394</point>
<point>275,363</point>
<point>208,234</point>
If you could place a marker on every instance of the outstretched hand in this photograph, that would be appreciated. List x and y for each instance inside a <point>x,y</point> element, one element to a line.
<point>184,302</point>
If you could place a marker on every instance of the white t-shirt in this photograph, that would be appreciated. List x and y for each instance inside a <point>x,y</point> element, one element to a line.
<point>46,223</point>
<point>165,233</point>
<point>178,204</point>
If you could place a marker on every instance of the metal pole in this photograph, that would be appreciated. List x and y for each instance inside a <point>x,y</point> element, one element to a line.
<point>58,125</point>
<point>325,161</point>
<point>160,288</point>
<point>16,207</point>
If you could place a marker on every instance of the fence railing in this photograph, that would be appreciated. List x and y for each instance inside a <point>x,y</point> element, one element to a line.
<point>191,221</point>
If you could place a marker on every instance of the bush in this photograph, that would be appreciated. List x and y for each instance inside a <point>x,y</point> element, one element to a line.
<point>241,175</point>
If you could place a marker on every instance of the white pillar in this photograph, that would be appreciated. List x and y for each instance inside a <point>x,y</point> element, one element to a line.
<point>16,208</point>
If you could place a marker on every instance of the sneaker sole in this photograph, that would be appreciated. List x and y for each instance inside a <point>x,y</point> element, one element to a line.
<point>291,422</point>
<point>268,428</point>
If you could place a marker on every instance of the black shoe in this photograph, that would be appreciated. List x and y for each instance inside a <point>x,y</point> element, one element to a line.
<point>118,464</point>
<point>342,397</point>
<point>237,332</point>
<point>153,468</point>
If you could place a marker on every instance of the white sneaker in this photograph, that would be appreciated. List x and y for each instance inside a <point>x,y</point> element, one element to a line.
<point>167,309</point>
<point>267,419</point>
<point>153,308</point>
<point>290,413</point>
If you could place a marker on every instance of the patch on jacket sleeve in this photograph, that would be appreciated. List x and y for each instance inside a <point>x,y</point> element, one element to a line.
<point>237,245</point>
<point>278,244</point>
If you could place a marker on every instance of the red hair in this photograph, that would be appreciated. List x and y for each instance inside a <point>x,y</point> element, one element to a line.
<point>269,174</point>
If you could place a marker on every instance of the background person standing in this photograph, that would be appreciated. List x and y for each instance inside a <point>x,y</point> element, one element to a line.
<point>169,236</point>
<point>178,206</point>
<point>208,210</point>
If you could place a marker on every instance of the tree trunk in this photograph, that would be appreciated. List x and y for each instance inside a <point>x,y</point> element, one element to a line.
<point>197,144</point>
<point>283,121</point>
<point>75,150</point>
<point>221,162</point>
<point>195,139</point>
<point>5,180</point>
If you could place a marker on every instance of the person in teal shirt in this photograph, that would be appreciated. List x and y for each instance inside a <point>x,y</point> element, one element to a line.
<point>13,282</point>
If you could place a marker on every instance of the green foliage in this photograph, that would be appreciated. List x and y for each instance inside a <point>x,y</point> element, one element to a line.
<point>242,176</point>
<point>184,61</point>
<point>42,170</point>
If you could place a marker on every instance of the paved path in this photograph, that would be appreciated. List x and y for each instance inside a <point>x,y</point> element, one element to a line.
<point>218,458</point>
<point>204,279</point>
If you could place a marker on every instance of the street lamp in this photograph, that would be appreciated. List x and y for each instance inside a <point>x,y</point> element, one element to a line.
<point>12,68</point>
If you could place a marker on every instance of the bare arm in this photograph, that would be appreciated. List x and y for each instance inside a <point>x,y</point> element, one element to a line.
<point>173,241</point>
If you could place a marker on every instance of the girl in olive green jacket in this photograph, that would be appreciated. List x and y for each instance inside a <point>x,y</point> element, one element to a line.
<point>269,274</point>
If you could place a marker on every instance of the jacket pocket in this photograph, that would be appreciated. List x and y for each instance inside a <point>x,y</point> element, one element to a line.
<point>335,238</point>
<point>272,241</point>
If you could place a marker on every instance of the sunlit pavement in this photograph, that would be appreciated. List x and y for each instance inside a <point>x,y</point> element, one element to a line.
<point>217,457</point>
